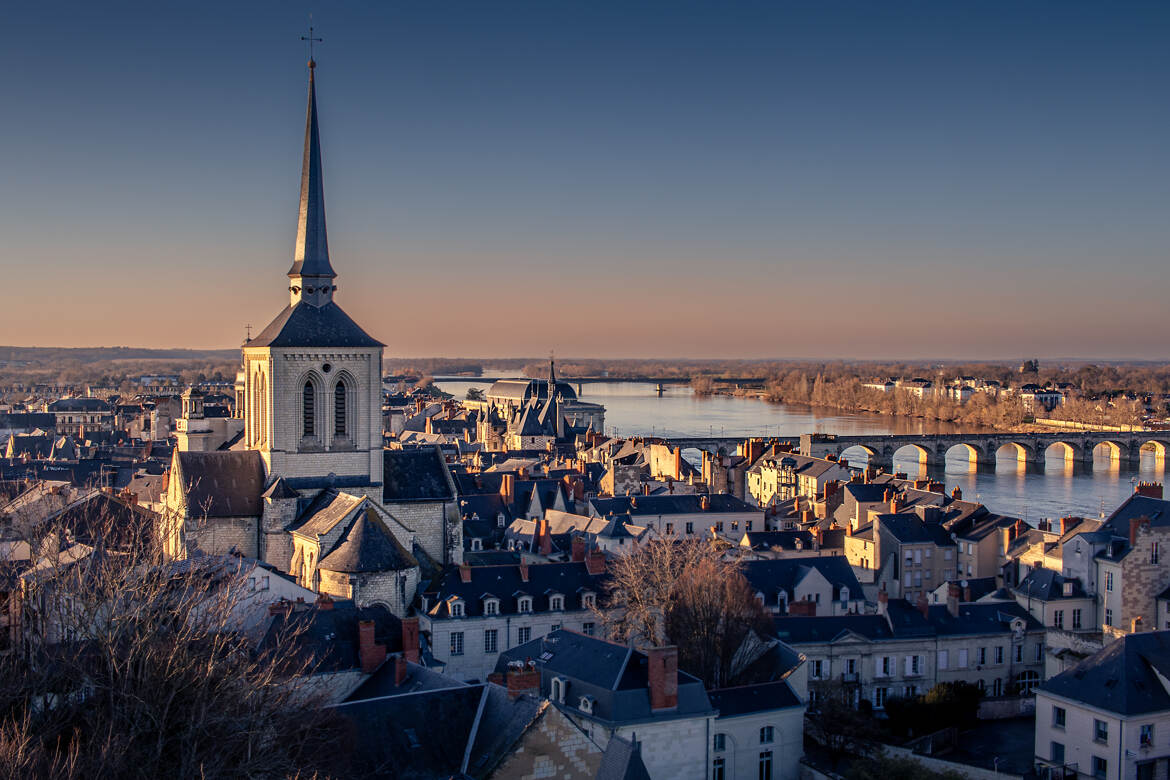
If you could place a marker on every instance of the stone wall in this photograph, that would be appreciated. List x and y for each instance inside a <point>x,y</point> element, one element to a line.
<point>1143,579</point>
<point>553,747</point>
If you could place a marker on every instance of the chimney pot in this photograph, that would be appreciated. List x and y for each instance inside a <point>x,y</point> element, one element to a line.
<point>410,639</point>
<point>370,653</point>
<point>464,572</point>
<point>663,677</point>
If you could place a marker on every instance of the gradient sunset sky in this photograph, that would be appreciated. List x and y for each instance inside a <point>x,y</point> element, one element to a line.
<point>704,179</point>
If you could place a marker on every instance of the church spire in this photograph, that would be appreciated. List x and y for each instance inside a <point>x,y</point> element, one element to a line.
<point>311,274</point>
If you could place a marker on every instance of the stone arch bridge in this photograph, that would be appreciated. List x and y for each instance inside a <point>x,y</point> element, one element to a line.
<point>981,448</point>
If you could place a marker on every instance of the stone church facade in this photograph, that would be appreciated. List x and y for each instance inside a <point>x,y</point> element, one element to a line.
<point>307,486</point>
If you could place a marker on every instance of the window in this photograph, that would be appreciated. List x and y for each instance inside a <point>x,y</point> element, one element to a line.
<point>1154,552</point>
<point>766,765</point>
<point>879,697</point>
<point>500,520</point>
<point>1057,752</point>
<point>690,528</point>
<point>963,658</point>
<point>1147,737</point>
<point>851,666</point>
<point>1100,731</point>
<point>718,769</point>
<point>523,634</point>
<point>817,666</point>
<point>457,609</point>
<point>999,655</point>
<point>1019,654</point>
<point>1039,652</point>
<point>491,607</point>
<point>982,656</point>
<point>1026,683</point>
<point>339,422</point>
<point>491,641</point>
<point>556,602</point>
<point>670,529</point>
<point>524,604</point>
<point>747,526</point>
<point>1058,618</point>
<point>719,744</point>
<point>1100,767</point>
<point>1108,616</point>
<point>587,600</point>
<point>884,666</point>
<point>1076,619</point>
<point>587,629</point>
<point>942,659</point>
<point>1058,717</point>
<point>1109,580</point>
<point>767,735</point>
<point>456,643</point>
<point>557,689</point>
<point>308,406</point>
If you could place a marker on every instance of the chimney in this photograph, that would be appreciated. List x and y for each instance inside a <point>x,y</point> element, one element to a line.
<point>508,488</point>
<point>678,463</point>
<point>663,677</point>
<point>883,600</point>
<point>954,593</point>
<point>966,591</point>
<point>957,493</point>
<point>399,671</point>
<point>523,679</point>
<point>935,486</point>
<point>808,516</point>
<point>802,608</point>
<point>895,506</point>
<point>1149,489</point>
<point>410,639</point>
<point>578,549</point>
<point>1136,626</point>
<point>370,653</point>
<point>1065,525</point>
<point>831,488</point>
<point>464,573</point>
<point>645,488</point>
<point>887,496</point>
<point>1134,524</point>
<point>545,537</point>
<point>324,601</point>
<point>524,572</point>
<point>705,502</point>
<point>595,561</point>
<point>923,605</point>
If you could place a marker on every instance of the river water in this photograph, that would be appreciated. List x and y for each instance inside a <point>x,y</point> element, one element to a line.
<point>634,408</point>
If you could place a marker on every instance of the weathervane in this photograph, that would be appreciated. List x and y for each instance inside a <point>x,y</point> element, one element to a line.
<point>311,41</point>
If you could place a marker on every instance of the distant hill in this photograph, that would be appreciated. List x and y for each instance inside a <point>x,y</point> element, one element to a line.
<point>87,355</point>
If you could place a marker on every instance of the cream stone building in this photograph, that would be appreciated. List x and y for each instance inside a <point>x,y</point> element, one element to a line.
<point>307,485</point>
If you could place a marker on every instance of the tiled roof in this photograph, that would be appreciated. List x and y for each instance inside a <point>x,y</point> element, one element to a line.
<point>1127,677</point>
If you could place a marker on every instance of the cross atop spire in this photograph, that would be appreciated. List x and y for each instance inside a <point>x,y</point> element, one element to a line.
<point>311,40</point>
<point>311,273</point>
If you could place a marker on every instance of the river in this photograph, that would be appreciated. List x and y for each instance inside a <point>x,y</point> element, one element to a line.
<point>634,408</point>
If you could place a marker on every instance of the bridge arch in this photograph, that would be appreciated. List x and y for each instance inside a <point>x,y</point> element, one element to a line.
<point>973,453</point>
<point>1159,446</point>
<point>1070,451</point>
<point>1113,450</point>
<point>859,456</point>
<point>1023,453</point>
<point>913,452</point>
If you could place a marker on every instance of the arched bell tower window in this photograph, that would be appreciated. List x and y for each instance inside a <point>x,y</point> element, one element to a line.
<point>340,421</point>
<point>309,402</point>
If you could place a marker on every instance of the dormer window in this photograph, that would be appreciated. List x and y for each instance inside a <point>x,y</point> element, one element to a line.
<point>556,602</point>
<point>586,704</point>
<point>476,545</point>
<point>500,520</point>
<point>456,608</point>
<point>491,606</point>
<point>524,604</point>
<point>558,689</point>
<point>588,600</point>
<point>760,597</point>
<point>844,593</point>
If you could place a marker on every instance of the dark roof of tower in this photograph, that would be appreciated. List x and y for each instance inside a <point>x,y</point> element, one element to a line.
<point>222,484</point>
<point>416,475</point>
<point>303,325</point>
<point>367,547</point>
<point>311,255</point>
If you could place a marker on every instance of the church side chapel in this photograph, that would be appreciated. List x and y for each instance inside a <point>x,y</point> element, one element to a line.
<point>306,485</point>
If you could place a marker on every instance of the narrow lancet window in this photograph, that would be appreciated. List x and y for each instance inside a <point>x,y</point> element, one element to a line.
<point>339,421</point>
<point>310,400</point>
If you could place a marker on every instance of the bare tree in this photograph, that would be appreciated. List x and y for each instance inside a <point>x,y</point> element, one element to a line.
<point>130,666</point>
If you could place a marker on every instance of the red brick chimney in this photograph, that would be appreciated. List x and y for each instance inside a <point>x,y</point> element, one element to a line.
<point>324,601</point>
<point>678,463</point>
<point>957,493</point>
<point>883,600</point>
<point>464,572</point>
<point>1134,524</point>
<point>1065,525</point>
<point>662,673</point>
<point>508,488</point>
<point>895,506</point>
<point>923,605</point>
<point>523,679</point>
<point>399,670</point>
<point>370,653</point>
<point>802,608</point>
<point>1149,489</point>
<point>887,496</point>
<point>524,572</point>
<point>594,561</point>
<point>410,639</point>
<point>954,593</point>
<point>578,549</point>
<point>545,537</point>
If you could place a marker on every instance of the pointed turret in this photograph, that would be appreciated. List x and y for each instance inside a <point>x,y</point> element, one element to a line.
<point>311,274</point>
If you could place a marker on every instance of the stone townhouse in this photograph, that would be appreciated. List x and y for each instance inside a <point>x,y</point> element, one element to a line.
<point>821,585</point>
<point>1132,571</point>
<point>759,731</point>
<point>471,615</point>
<point>612,691</point>
<point>683,515</point>
<point>1109,716</point>
<point>785,475</point>
<point>1058,602</point>
<point>905,650</point>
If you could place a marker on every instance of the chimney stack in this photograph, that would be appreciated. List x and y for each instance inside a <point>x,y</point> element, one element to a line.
<point>370,653</point>
<point>594,561</point>
<point>464,573</point>
<point>508,488</point>
<point>523,678</point>
<point>410,639</point>
<point>663,677</point>
<point>1149,489</point>
<point>883,600</point>
<point>923,605</point>
<point>954,593</point>
<point>578,549</point>
<point>324,601</point>
<point>957,493</point>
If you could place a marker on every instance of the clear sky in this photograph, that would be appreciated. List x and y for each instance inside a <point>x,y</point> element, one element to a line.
<point>842,179</point>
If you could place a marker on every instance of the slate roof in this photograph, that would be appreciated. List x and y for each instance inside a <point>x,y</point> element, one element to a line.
<point>760,697</point>
<point>910,529</point>
<point>367,546</point>
<point>905,622</point>
<point>1156,509</point>
<point>1127,677</point>
<point>569,578</point>
<point>222,484</point>
<point>80,405</point>
<point>329,637</point>
<point>327,509</point>
<point>280,489</point>
<point>615,675</point>
<point>415,475</point>
<point>304,325</point>
<point>785,540</point>
<point>771,576</point>
<point>671,504</point>
<point>622,760</point>
<point>1048,585</point>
